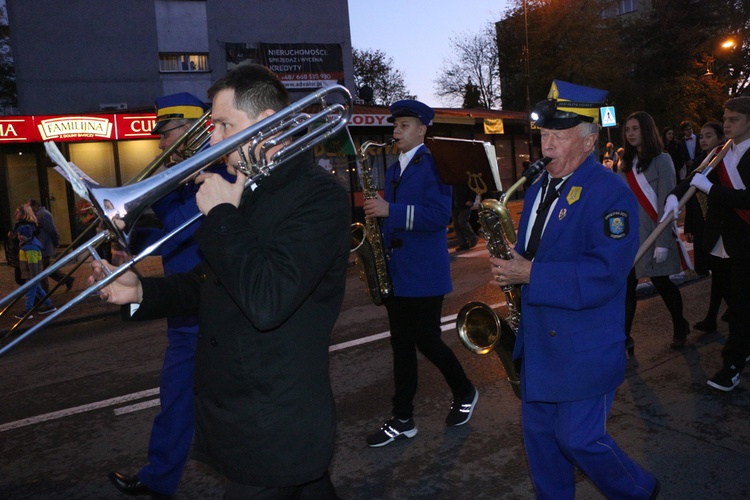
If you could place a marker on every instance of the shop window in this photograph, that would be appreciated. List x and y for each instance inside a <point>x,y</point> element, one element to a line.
<point>134,156</point>
<point>173,62</point>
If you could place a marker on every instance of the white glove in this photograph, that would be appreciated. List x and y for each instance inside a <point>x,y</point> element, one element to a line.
<point>701,182</point>
<point>660,254</point>
<point>672,205</point>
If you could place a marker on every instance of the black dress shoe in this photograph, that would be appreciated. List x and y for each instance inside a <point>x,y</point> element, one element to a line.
<point>131,485</point>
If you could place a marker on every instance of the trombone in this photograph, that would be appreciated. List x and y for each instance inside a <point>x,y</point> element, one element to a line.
<point>119,208</point>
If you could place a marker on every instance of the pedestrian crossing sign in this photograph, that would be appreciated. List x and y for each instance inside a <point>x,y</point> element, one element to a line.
<point>608,116</point>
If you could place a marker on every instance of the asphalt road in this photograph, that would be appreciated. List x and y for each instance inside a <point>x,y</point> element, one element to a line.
<point>79,398</point>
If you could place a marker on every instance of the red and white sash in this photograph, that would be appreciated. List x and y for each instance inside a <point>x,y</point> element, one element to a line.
<point>647,198</point>
<point>730,178</point>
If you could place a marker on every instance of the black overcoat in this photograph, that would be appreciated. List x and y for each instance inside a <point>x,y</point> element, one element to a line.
<point>268,294</point>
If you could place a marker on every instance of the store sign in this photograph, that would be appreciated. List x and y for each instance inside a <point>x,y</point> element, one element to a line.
<point>69,128</point>
<point>135,126</point>
<point>76,127</point>
<point>304,66</point>
<point>16,129</point>
<point>369,120</point>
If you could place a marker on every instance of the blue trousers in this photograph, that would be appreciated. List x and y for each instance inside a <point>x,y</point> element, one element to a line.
<point>173,428</point>
<point>36,292</point>
<point>562,436</point>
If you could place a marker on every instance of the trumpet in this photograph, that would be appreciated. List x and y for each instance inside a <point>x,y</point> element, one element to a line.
<point>291,132</point>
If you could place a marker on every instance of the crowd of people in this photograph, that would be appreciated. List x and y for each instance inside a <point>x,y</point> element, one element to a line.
<point>253,290</point>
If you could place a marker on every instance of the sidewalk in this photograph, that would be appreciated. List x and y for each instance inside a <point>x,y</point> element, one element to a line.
<point>88,309</point>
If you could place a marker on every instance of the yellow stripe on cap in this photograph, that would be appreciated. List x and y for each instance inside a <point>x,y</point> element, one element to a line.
<point>177,112</point>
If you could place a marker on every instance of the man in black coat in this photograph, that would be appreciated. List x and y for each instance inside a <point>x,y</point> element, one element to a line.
<point>727,235</point>
<point>268,294</point>
<point>690,148</point>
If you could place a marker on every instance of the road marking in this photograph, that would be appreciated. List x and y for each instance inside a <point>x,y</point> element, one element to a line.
<point>137,407</point>
<point>77,409</point>
<point>448,323</point>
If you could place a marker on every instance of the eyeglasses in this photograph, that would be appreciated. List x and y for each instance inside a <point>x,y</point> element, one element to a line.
<point>162,133</point>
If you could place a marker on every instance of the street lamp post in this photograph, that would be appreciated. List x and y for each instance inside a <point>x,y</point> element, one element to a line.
<point>726,45</point>
<point>527,78</point>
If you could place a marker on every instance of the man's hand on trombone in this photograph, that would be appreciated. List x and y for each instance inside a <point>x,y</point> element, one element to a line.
<point>215,190</point>
<point>126,289</point>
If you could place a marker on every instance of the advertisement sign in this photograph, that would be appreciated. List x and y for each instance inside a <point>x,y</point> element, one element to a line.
<point>75,128</point>
<point>359,120</point>
<point>16,128</point>
<point>135,126</point>
<point>304,66</point>
<point>69,128</point>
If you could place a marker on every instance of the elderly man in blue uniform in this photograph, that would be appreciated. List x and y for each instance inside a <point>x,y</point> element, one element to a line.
<point>172,431</point>
<point>576,244</point>
<point>416,211</point>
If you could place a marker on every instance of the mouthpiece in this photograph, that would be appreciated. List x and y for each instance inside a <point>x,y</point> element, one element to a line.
<point>536,167</point>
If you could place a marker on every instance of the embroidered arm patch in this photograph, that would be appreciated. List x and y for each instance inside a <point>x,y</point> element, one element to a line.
<point>616,224</point>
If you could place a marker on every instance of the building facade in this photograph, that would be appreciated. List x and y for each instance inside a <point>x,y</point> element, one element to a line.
<point>85,63</point>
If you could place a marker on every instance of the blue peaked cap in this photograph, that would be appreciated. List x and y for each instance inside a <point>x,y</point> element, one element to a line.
<point>567,105</point>
<point>410,107</point>
<point>180,106</point>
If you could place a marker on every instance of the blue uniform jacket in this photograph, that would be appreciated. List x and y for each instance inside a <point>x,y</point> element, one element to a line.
<point>573,308</point>
<point>414,231</point>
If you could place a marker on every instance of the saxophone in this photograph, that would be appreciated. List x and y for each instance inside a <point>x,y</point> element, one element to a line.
<point>367,238</point>
<point>479,328</point>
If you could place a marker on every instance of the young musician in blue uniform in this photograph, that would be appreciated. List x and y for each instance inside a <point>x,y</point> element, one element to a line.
<point>416,210</point>
<point>172,431</point>
<point>573,271</point>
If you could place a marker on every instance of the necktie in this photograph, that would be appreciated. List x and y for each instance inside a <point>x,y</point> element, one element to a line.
<point>550,195</point>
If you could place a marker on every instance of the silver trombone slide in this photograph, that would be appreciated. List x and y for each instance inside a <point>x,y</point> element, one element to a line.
<point>125,204</point>
<point>98,238</point>
<point>93,289</point>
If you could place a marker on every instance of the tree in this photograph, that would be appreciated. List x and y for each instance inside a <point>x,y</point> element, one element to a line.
<point>8,93</point>
<point>374,69</point>
<point>573,41</point>
<point>474,58</point>
<point>649,60</point>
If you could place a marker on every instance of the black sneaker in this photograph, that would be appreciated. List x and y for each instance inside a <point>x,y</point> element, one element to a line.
<point>20,316</point>
<point>462,409</point>
<point>725,379</point>
<point>392,430</point>
<point>48,310</point>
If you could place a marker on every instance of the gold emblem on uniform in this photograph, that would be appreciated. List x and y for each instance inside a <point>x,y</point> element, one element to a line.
<point>574,195</point>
